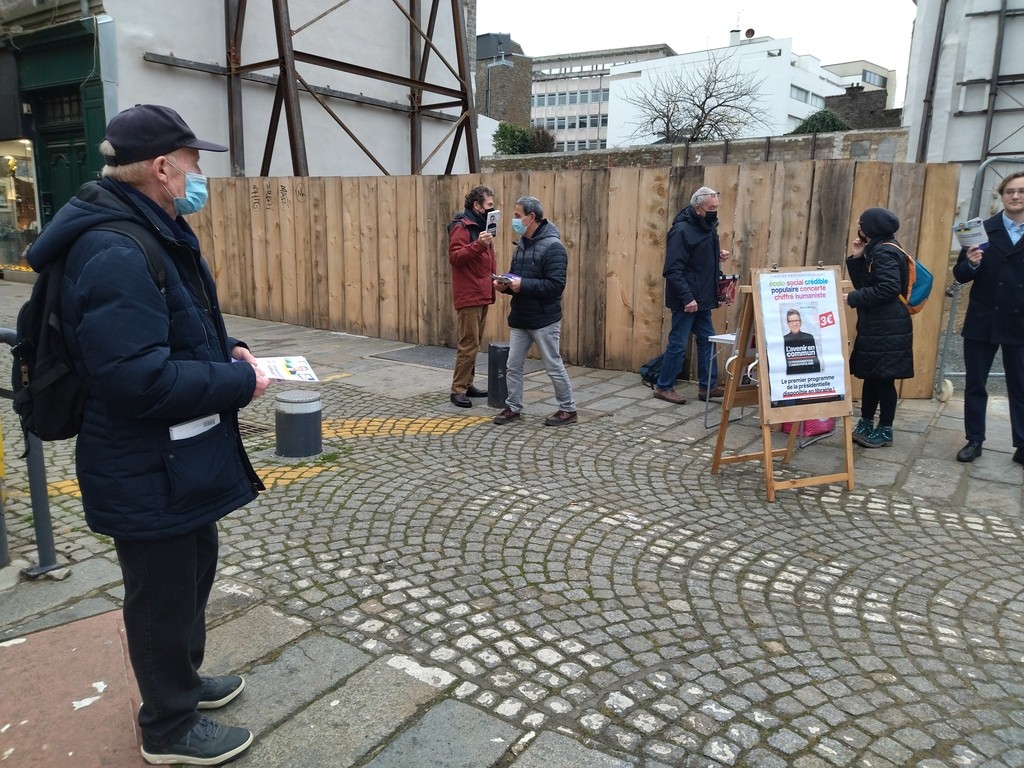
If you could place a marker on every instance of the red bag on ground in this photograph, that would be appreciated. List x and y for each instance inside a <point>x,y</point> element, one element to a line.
<point>813,427</point>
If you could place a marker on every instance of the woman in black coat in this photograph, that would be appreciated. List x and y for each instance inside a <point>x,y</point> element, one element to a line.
<point>884,348</point>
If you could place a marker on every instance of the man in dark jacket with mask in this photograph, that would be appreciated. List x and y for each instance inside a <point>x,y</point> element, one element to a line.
<point>159,457</point>
<point>692,257</point>
<point>536,281</point>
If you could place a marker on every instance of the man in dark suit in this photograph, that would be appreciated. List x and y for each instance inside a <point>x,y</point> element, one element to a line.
<point>994,318</point>
<point>801,349</point>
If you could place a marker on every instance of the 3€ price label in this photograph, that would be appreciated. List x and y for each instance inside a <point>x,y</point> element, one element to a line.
<point>826,319</point>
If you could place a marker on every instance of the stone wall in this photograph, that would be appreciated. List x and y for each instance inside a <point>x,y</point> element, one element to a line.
<point>861,109</point>
<point>886,145</point>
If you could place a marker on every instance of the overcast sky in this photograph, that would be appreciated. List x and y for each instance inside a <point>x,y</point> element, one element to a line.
<point>833,32</point>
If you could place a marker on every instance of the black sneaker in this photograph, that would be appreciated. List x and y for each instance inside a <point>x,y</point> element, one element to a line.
<point>206,743</point>
<point>218,691</point>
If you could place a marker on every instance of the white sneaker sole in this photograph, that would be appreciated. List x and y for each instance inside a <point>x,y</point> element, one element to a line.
<point>223,700</point>
<point>169,759</point>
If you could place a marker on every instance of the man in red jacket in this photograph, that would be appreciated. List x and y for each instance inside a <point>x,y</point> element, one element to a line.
<point>471,254</point>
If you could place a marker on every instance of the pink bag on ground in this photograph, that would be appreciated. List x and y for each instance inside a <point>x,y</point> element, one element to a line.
<point>813,427</point>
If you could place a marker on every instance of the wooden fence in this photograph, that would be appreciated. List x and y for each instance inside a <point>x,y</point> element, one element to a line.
<point>369,255</point>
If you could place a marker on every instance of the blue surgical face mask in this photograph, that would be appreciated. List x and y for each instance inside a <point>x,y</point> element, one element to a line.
<point>196,193</point>
<point>518,227</point>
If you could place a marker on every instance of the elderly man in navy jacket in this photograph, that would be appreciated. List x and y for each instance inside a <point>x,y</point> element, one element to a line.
<point>995,318</point>
<point>159,457</point>
<point>692,257</point>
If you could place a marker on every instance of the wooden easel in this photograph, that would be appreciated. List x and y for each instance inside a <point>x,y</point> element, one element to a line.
<point>740,392</point>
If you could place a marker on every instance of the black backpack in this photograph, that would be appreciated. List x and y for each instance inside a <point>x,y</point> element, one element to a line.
<point>650,370</point>
<point>49,396</point>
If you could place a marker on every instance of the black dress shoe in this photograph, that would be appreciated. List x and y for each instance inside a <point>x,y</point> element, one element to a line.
<point>969,452</point>
<point>461,400</point>
<point>1018,455</point>
<point>474,392</point>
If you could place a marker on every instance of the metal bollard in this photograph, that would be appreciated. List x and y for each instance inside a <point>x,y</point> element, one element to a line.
<point>497,364</point>
<point>297,422</point>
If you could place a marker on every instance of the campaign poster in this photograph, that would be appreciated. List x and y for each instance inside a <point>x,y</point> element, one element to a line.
<point>802,336</point>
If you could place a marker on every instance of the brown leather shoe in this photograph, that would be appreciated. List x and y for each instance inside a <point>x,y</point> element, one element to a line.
<point>669,395</point>
<point>715,393</point>
<point>558,418</point>
<point>506,416</point>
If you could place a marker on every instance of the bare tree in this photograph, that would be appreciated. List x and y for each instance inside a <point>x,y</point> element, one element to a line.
<point>708,101</point>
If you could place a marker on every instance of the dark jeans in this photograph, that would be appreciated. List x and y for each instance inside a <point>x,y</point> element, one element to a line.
<point>978,357</point>
<point>683,323</point>
<point>166,586</point>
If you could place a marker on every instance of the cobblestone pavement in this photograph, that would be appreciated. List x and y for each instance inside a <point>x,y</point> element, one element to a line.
<point>466,594</point>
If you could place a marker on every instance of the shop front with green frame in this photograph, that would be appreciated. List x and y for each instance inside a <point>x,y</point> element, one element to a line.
<point>60,90</point>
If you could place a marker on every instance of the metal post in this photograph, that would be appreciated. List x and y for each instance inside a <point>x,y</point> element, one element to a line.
<point>40,507</point>
<point>497,365</point>
<point>37,493</point>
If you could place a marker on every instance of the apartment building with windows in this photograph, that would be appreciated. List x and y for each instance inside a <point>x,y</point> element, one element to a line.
<point>570,93</point>
<point>792,86</point>
<point>868,76</point>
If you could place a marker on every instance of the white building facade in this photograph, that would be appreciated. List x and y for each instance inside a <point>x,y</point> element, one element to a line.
<point>570,93</point>
<point>792,87</point>
<point>965,94</point>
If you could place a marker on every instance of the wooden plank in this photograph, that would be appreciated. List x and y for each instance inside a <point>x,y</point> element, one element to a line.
<point>350,254</point>
<point>938,213</point>
<point>649,259</point>
<point>830,212</point>
<point>791,197</point>
<point>592,270</point>
<point>243,244</point>
<point>316,283</point>
<point>214,243</point>
<point>443,200</point>
<point>623,193</point>
<point>265,290</point>
<point>227,251</point>
<point>294,260</point>
<point>334,244</point>
<point>405,258</point>
<point>566,200</point>
<point>386,226</point>
<point>369,265</point>
<point>870,190</point>
<point>751,224</point>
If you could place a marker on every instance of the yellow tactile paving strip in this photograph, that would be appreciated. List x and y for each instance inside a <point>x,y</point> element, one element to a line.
<point>332,428</point>
<point>393,427</point>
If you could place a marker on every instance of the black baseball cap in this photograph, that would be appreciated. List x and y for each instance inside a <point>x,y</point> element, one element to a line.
<point>150,130</point>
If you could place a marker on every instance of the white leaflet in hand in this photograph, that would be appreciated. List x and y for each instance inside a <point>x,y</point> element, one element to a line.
<point>971,232</point>
<point>493,219</point>
<point>286,368</point>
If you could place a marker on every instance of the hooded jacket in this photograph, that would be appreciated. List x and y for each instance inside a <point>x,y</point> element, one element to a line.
<point>541,261</point>
<point>472,262</point>
<point>691,262</point>
<point>155,361</point>
<point>884,347</point>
